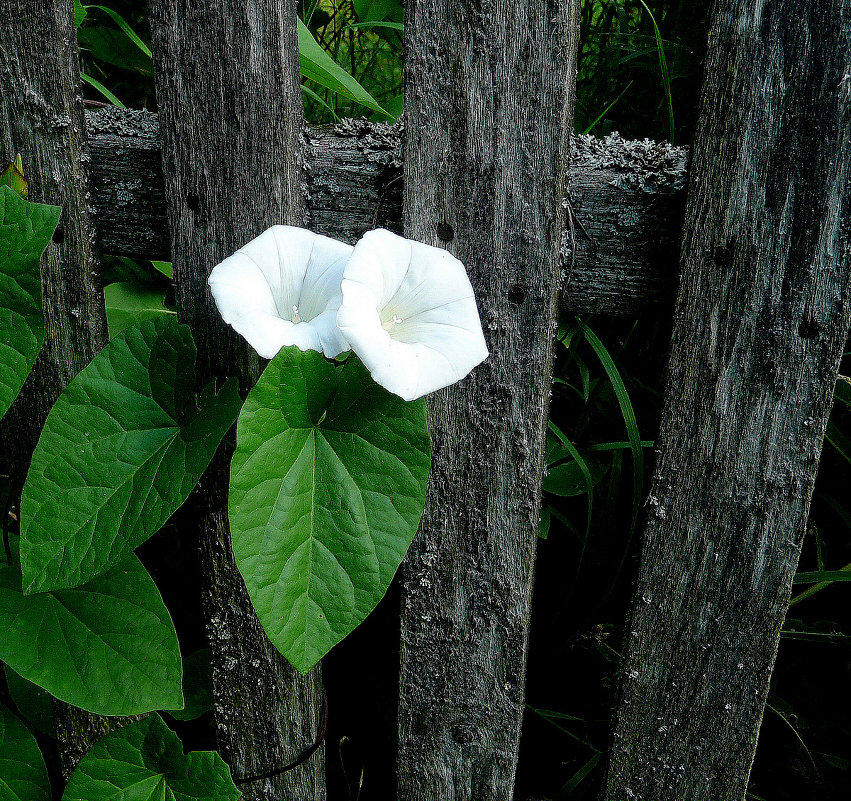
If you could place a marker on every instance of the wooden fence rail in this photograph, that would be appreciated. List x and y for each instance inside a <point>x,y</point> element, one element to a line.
<point>626,198</point>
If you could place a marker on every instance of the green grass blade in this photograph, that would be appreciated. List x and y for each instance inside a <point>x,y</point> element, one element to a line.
<point>810,591</point>
<point>797,735</point>
<point>319,99</point>
<point>95,84</point>
<point>628,414</point>
<point>663,68</point>
<point>396,26</point>
<point>125,27</point>
<point>619,446</point>
<point>552,718</point>
<point>608,108</point>
<point>586,474</point>
<point>839,441</point>
<point>818,576</point>
<point>574,781</point>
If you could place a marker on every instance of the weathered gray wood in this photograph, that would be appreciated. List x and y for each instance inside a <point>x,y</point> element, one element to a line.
<point>761,318</point>
<point>489,106</point>
<point>41,117</point>
<point>231,113</point>
<point>625,196</point>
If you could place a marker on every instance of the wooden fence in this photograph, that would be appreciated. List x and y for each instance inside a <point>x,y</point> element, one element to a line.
<point>540,219</point>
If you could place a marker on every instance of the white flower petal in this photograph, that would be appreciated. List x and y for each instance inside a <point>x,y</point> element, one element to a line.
<point>410,314</point>
<point>283,288</point>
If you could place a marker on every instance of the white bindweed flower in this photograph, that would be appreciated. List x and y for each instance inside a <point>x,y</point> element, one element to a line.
<point>409,313</point>
<point>283,288</point>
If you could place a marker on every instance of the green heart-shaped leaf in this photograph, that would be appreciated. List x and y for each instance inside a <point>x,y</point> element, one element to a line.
<point>145,762</point>
<point>25,232</point>
<point>108,647</point>
<point>327,489</point>
<point>23,775</point>
<point>121,450</point>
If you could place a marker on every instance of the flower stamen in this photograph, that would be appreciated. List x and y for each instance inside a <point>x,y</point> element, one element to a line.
<point>394,320</point>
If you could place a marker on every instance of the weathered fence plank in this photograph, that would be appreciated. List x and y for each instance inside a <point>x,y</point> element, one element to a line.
<point>41,117</point>
<point>489,105</point>
<point>760,322</point>
<point>625,196</point>
<point>231,112</point>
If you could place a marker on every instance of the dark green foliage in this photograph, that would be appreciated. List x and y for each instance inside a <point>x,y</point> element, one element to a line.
<point>622,86</point>
<point>109,646</point>
<point>146,760</point>
<point>23,775</point>
<point>25,231</point>
<point>365,37</point>
<point>121,450</point>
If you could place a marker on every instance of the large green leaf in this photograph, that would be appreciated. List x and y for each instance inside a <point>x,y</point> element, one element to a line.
<point>25,232</point>
<point>145,762</point>
<point>121,450</point>
<point>23,775</point>
<point>129,303</point>
<point>327,488</point>
<point>79,13</point>
<point>109,647</point>
<point>317,65</point>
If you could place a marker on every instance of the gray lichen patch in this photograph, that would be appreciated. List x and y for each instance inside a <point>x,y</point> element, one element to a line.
<point>138,125</point>
<point>642,164</point>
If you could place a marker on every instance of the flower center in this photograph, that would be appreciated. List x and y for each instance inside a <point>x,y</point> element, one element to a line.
<point>388,325</point>
<point>296,318</point>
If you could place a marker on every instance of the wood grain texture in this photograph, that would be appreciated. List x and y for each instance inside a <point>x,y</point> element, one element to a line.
<point>231,119</point>
<point>42,118</point>
<point>489,105</point>
<point>625,197</point>
<point>760,323</point>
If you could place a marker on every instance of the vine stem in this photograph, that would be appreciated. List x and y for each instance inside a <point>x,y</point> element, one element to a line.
<point>304,755</point>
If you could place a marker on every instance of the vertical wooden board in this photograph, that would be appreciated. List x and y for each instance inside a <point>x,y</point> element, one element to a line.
<point>41,117</point>
<point>488,108</point>
<point>231,122</point>
<point>760,323</point>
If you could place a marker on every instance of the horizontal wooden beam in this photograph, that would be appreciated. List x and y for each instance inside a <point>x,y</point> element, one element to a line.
<point>624,205</point>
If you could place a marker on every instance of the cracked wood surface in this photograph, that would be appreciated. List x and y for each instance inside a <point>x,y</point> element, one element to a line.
<point>759,326</point>
<point>486,169</point>
<point>231,118</point>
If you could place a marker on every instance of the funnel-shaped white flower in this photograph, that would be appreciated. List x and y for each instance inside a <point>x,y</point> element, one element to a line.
<point>410,314</point>
<point>283,288</point>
